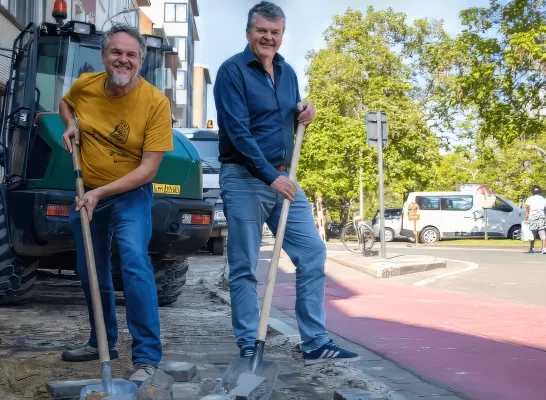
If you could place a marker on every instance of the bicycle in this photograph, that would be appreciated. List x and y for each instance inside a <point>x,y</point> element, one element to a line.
<point>357,236</point>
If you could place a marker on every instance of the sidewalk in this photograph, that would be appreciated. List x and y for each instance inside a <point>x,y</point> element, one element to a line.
<point>196,329</point>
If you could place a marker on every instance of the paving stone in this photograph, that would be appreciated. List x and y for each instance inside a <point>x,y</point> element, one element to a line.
<point>159,386</point>
<point>422,389</point>
<point>356,394</point>
<point>396,396</point>
<point>180,371</point>
<point>400,377</point>
<point>61,390</point>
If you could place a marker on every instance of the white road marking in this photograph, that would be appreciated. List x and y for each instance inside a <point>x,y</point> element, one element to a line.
<point>470,267</point>
<point>533,262</point>
<point>447,248</point>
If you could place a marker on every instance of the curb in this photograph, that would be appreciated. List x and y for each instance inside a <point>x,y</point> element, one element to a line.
<point>387,271</point>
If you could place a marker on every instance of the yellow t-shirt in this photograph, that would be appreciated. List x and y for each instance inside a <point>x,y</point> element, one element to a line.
<point>115,131</point>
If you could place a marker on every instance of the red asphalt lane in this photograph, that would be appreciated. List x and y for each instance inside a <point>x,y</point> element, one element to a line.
<point>485,348</point>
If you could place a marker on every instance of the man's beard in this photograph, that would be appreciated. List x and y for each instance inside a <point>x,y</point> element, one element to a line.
<point>119,81</point>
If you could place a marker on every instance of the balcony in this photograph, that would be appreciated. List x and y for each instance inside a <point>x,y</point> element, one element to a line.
<point>168,78</point>
<point>181,97</point>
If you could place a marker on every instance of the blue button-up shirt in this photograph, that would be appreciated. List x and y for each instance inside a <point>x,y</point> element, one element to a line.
<point>256,117</point>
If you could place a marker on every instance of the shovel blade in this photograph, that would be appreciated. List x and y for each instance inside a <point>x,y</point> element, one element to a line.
<point>239,380</point>
<point>121,389</point>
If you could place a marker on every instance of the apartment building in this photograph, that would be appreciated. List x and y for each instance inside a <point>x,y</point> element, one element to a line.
<point>14,16</point>
<point>175,21</point>
<point>201,82</point>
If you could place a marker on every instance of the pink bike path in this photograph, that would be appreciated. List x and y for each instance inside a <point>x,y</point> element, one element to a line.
<point>485,348</point>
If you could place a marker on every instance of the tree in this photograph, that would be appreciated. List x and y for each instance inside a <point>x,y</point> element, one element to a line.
<point>496,71</point>
<point>362,69</point>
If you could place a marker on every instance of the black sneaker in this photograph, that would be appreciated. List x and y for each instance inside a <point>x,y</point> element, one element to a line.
<point>86,353</point>
<point>247,352</point>
<point>329,352</point>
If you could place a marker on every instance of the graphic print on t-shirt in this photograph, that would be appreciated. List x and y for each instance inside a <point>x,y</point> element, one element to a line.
<point>118,137</point>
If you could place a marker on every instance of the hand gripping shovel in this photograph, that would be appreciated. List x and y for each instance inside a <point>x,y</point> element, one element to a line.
<point>255,378</point>
<point>109,389</point>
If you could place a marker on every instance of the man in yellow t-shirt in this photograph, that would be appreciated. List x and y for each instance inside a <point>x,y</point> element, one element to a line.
<point>123,127</point>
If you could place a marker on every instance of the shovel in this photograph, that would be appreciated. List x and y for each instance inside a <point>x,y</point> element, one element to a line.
<point>109,388</point>
<point>255,378</point>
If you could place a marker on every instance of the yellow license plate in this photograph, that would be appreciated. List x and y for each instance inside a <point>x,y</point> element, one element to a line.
<point>166,189</point>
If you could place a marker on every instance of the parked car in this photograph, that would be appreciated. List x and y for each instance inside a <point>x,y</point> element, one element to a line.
<point>206,143</point>
<point>333,230</point>
<point>392,224</point>
<point>460,214</point>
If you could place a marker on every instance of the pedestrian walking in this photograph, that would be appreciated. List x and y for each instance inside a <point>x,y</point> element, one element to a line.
<point>258,107</point>
<point>123,128</point>
<point>535,217</point>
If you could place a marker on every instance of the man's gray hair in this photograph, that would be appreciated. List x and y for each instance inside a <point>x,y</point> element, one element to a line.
<point>117,28</point>
<point>266,9</point>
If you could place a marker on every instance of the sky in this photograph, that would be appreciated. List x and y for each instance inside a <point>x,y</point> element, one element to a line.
<point>221,28</point>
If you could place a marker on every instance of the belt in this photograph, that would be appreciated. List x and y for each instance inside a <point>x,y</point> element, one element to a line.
<point>280,168</point>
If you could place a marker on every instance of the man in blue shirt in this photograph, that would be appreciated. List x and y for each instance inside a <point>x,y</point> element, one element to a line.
<point>258,107</point>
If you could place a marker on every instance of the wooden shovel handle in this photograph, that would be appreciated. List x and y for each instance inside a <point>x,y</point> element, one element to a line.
<point>272,275</point>
<point>100,328</point>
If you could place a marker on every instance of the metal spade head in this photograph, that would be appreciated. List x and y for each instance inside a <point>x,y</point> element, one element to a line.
<point>120,389</point>
<point>240,380</point>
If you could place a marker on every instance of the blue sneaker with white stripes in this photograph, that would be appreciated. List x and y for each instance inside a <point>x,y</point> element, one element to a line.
<point>329,352</point>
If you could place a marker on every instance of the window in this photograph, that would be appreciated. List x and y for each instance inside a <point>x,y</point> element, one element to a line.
<point>457,203</point>
<point>181,48</point>
<point>428,203</point>
<point>175,12</point>
<point>22,10</point>
<point>501,206</point>
<point>181,79</point>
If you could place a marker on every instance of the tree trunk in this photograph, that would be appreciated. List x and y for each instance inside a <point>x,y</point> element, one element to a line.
<point>343,211</point>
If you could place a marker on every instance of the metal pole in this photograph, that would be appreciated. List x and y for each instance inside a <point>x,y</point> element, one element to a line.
<point>381,194</point>
<point>361,189</point>
<point>486,227</point>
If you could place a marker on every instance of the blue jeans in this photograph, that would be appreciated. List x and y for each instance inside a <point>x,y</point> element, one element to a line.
<point>248,204</point>
<point>127,218</point>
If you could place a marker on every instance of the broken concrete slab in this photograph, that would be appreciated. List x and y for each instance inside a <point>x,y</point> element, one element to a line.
<point>180,371</point>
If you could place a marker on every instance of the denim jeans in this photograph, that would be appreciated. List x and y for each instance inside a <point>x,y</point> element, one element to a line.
<point>127,218</point>
<point>248,204</point>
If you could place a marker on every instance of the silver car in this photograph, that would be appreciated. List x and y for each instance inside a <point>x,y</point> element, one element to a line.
<point>392,224</point>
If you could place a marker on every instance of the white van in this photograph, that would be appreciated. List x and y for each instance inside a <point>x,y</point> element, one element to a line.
<point>445,215</point>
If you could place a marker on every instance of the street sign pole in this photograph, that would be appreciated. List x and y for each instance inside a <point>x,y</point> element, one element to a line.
<point>361,188</point>
<point>378,136</point>
<point>381,191</point>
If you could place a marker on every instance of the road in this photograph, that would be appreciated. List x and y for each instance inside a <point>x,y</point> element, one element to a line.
<point>509,274</point>
<point>479,331</point>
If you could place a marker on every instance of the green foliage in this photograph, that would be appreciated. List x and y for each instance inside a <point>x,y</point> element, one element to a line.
<point>483,89</point>
<point>498,66</point>
<point>363,69</point>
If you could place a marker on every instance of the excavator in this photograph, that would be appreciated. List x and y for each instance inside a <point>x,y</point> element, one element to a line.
<point>38,184</point>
